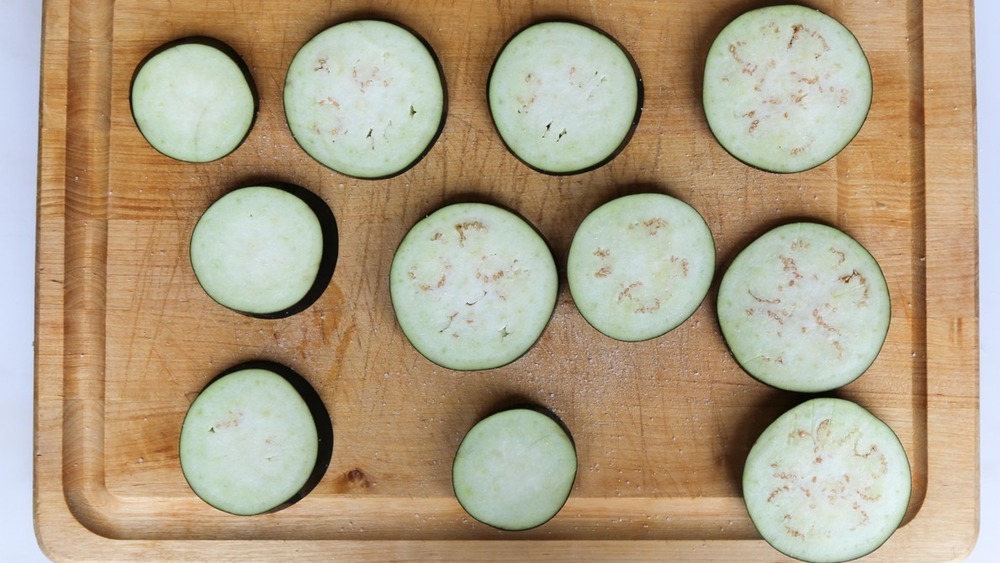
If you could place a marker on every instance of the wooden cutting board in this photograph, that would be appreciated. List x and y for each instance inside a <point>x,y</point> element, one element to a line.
<point>126,337</point>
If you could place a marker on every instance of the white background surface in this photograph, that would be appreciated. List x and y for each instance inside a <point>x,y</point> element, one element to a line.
<point>20,40</point>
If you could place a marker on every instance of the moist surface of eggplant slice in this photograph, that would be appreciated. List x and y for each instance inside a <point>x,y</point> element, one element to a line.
<point>250,442</point>
<point>515,469</point>
<point>804,307</point>
<point>365,98</point>
<point>640,265</point>
<point>193,100</point>
<point>259,250</point>
<point>565,97</point>
<point>473,286</point>
<point>786,88</point>
<point>827,481</point>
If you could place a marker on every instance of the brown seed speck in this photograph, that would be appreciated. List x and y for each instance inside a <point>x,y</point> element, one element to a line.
<point>654,225</point>
<point>764,300</point>
<point>626,292</point>
<point>462,228</point>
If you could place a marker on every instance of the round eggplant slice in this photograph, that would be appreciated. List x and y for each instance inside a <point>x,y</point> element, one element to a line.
<point>262,250</point>
<point>827,482</point>
<point>786,88</point>
<point>640,265</point>
<point>193,100</point>
<point>565,97</point>
<point>473,286</point>
<point>365,98</point>
<point>250,442</point>
<point>804,308</point>
<point>514,470</point>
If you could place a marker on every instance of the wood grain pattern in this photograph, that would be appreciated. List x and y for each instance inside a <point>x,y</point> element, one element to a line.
<point>126,338</point>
